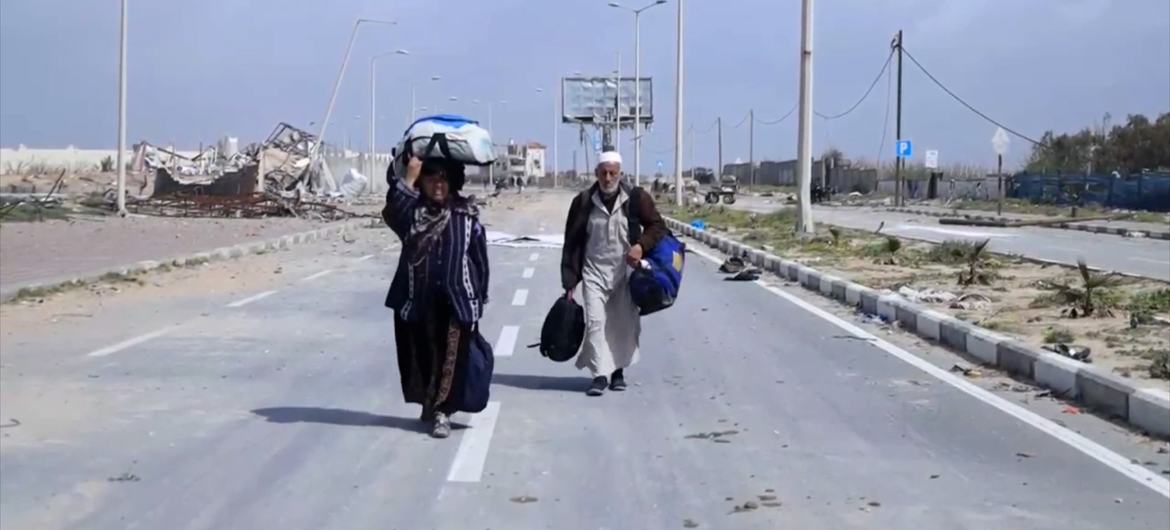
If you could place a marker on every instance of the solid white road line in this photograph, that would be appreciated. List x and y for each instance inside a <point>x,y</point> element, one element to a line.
<point>115,348</point>
<point>312,277</point>
<point>529,272</point>
<point>507,341</point>
<point>535,256</point>
<point>1148,260</point>
<point>366,257</point>
<point>521,297</point>
<point>473,448</point>
<point>1097,451</point>
<point>250,299</point>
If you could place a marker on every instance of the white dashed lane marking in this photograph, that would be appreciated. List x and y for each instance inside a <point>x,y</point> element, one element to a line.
<point>250,299</point>
<point>521,297</point>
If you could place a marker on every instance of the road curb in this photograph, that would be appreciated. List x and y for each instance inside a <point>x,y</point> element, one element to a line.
<point>1073,225</point>
<point>1145,408</point>
<point>197,258</point>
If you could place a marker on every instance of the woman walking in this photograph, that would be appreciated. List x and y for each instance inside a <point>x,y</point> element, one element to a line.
<point>441,285</point>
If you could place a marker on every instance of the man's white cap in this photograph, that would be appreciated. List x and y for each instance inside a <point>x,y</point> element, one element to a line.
<point>610,157</point>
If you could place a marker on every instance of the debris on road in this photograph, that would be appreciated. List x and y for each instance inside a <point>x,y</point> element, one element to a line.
<point>523,499</point>
<point>13,423</point>
<point>927,295</point>
<point>1022,454</point>
<point>688,523</point>
<point>1072,351</point>
<point>732,265</point>
<point>746,275</point>
<point>124,477</point>
<point>971,302</point>
<point>716,436</point>
<point>972,373</point>
<point>1070,410</point>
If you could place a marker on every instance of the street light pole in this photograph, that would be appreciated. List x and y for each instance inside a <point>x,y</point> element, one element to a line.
<point>678,107</point>
<point>341,75</point>
<point>371,164</point>
<point>556,134</point>
<point>804,141</point>
<point>121,156</point>
<point>637,85</point>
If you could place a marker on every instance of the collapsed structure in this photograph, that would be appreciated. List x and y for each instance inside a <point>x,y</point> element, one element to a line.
<point>276,177</point>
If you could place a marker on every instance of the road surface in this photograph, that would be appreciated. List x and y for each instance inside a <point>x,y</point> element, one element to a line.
<point>240,397</point>
<point>1141,257</point>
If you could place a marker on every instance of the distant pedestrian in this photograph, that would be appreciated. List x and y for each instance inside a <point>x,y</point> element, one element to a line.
<point>441,286</point>
<point>602,243</point>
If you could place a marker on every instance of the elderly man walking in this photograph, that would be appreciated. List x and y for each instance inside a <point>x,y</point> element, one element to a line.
<point>610,227</point>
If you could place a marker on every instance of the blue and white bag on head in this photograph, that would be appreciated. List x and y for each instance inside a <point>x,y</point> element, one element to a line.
<point>445,136</point>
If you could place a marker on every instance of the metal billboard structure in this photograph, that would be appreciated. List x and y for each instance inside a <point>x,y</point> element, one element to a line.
<point>596,101</point>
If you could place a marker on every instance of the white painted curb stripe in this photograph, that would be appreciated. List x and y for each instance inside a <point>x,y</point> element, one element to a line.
<point>507,341</point>
<point>529,272</point>
<point>1098,452</point>
<point>312,277</point>
<point>115,348</point>
<point>250,299</point>
<point>521,297</point>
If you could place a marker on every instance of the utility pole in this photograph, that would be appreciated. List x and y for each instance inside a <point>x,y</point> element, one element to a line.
<point>719,169</point>
<point>899,193</point>
<point>556,136</point>
<point>678,107</point>
<point>637,99</point>
<point>121,156</point>
<point>804,138</point>
<point>752,147</point>
<point>617,142</point>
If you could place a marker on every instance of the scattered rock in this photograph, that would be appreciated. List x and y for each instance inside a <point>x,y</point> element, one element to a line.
<point>972,373</point>
<point>932,477</point>
<point>124,477</point>
<point>751,505</point>
<point>767,497</point>
<point>874,504</point>
<point>772,504</point>
<point>687,523</point>
<point>523,499</point>
<point>1118,500</point>
<point>1022,454</point>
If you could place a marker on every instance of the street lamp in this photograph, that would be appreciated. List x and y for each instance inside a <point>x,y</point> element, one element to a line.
<point>121,156</point>
<point>341,75</point>
<point>637,85</point>
<point>373,106</point>
<point>678,107</point>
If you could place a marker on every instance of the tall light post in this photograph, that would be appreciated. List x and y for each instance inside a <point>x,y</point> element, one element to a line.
<point>121,156</point>
<point>372,166</point>
<point>556,137</point>
<point>492,166</point>
<point>804,139</point>
<point>341,75</point>
<point>678,107</point>
<point>637,85</point>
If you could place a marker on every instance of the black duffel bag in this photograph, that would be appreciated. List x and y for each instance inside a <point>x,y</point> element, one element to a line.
<point>563,330</point>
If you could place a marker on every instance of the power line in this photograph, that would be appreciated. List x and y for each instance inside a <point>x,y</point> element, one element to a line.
<point>863,96</point>
<point>711,128</point>
<point>965,104</point>
<point>743,121</point>
<point>782,118</point>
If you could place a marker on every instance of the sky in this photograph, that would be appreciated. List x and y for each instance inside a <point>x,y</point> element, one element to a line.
<point>202,69</point>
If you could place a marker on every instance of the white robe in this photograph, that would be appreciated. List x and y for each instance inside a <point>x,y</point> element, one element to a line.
<point>612,324</point>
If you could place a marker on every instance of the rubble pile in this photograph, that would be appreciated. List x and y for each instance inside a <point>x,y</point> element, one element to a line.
<point>286,175</point>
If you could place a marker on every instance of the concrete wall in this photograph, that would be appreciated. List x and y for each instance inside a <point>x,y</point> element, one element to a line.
<point>70,158</point>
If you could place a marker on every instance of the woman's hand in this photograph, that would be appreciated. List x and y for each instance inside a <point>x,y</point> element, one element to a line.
<point>413,168</point>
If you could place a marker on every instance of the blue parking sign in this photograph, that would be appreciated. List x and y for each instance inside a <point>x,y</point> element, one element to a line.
<point>904,149</point>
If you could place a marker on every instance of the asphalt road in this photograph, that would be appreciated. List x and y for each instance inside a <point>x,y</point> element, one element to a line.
<point>1141,257</point>
<point>271,401</point>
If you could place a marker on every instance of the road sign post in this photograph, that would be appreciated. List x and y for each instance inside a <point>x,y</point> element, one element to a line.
<point>903,149</point>
<point>1000,142</point>
<point>931,159</point>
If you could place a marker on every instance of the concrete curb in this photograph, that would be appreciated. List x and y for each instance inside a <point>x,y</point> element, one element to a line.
<point>1145,408</point>
<point>218,254</point>
<point>1097,229</point>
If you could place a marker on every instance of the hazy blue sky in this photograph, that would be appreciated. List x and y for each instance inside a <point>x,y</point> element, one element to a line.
<point>203,68</point>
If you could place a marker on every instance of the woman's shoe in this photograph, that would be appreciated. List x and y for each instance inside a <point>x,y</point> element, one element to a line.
<point>442,426</point>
